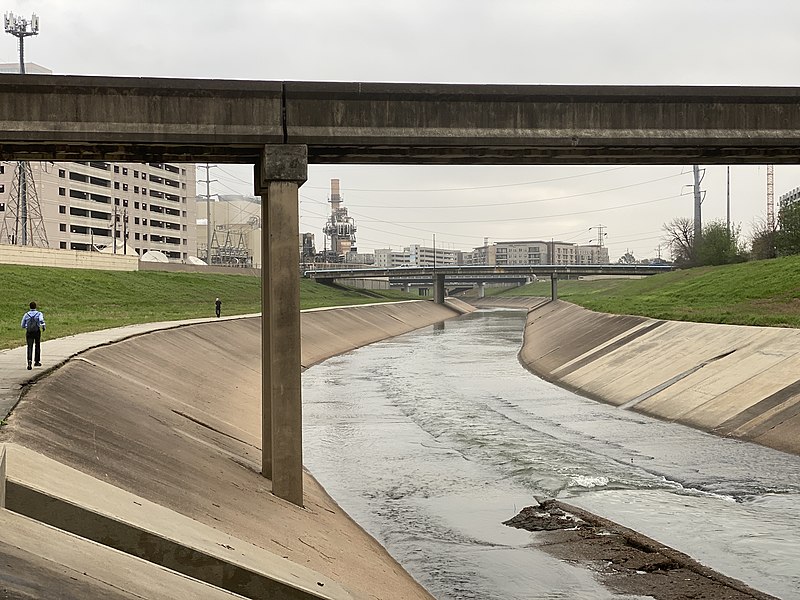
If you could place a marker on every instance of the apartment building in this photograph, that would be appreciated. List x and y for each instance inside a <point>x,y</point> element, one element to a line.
<point>416,255</point>
<point>386,258</point>
<point>536,252</point>
<point>100,206</point>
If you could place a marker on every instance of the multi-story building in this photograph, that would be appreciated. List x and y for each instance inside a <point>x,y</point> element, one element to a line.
<point>423,256</point>
<point>97,205</point>
<point>536,252</point>
<point>789,198</point>
<point>387,258</point>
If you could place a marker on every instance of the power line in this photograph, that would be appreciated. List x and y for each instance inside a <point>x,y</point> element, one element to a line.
<point>477,187</point>
<point>582,194</point>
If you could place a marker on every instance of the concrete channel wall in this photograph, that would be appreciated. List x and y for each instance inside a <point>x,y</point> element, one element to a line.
<point>148,448</point>
<point>736,381</point>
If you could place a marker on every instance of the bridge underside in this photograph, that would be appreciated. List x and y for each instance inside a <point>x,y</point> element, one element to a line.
<point>73,118</point>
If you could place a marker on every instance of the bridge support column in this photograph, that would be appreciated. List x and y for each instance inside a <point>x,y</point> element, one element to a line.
<point>407,288</point>
<point>553,287</point>
<point>279,174</point>
<point>481,290</point>
<point>438,289</point>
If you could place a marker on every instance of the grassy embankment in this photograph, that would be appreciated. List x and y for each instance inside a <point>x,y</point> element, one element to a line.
<point>763,292</point>
<point>74,300</point>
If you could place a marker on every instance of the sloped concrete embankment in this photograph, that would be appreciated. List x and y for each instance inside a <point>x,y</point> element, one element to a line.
<point>151,446</point>
<point>737,381</point>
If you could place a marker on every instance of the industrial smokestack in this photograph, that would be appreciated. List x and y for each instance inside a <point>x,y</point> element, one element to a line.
<point>336,198</point>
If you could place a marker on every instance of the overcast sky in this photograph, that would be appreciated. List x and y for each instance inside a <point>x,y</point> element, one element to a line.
<point>698,42</point>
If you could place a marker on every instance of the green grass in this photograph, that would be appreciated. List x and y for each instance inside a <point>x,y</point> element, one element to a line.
<point>76,300</point>
<point>763,292</point>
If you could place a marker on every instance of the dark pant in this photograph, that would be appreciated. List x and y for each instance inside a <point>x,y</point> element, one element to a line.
<point>218,311</point>
<point>34,338</point>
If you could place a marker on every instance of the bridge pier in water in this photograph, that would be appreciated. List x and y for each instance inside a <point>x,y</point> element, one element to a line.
<point>438,288</point>
<point>279,174</point>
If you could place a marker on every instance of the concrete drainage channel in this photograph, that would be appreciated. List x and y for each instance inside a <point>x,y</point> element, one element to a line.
<point>226,569</point>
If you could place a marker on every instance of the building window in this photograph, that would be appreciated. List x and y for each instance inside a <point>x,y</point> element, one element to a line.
<point>124,187</point>
<point>2,188</point>
<point>116,168</point>
<point>144,191</point>
<point>144,221</point>
<point>62,226</point>
<point>144,206</point>
<point>62,245</point>
<point>62,173</point>
<point>136,174</point>
<point>124,202</point>
<point>116,201</point>
<point>136,189</point>
<point>62,191</point>
<point>135,205</point>
<point>124,170</point>
<point>144,237</point>
<point>62,209</point>
<point>116,185</point>
<point>136,236</point>
<point>2,169</point>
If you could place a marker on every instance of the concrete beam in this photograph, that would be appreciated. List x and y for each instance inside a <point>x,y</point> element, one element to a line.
<point>177,120</point>
<point>280,172</point>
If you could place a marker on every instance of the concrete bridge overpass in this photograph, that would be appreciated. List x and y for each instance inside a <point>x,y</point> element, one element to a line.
<point>282,126</point>
<point>439,276</point>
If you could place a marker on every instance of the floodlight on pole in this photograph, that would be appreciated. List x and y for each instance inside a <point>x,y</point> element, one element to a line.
<point>21,28</point>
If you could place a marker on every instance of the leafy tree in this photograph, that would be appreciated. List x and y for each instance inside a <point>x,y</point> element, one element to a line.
<point>627,259</point>
<point>718,246</point>
<point>788,236</point>
<point>762,241</point>
<point>679,237</point>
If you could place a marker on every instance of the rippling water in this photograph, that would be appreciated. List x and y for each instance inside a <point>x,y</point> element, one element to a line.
<point>430,440</point>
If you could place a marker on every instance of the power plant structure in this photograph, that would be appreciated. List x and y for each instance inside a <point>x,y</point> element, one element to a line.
<point>340,228</point>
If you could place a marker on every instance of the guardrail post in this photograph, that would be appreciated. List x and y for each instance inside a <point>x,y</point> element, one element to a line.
<point>553,286</point>
<point>279,174</point>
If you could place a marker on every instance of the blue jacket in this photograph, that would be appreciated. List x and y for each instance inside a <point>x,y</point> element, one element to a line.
<point>33,314</point>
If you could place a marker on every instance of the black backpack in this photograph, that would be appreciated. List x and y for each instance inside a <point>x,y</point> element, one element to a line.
<point>32,326</point>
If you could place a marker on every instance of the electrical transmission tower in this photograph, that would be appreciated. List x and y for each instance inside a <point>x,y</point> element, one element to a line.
<point>23,224</point>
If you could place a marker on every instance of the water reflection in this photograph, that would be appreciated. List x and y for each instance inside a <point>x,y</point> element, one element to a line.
<point>432,439</point>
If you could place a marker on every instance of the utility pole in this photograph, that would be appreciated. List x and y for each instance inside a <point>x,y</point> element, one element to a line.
<point>728,205</point>
<point>114,238</point>
<point>125,231</point>
<point>698,201</point>
<point>209,226</point>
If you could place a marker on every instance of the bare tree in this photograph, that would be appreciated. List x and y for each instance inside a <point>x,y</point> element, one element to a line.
<point>679,237</point>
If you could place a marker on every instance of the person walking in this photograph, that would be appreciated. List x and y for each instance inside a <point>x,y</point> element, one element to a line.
<point>218,306</point>
<point>33,324</point>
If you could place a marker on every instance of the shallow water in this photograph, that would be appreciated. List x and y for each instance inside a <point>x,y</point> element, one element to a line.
<point>430,440</point>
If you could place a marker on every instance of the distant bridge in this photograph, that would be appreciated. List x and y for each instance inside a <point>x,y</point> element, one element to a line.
<point>439,276</point>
